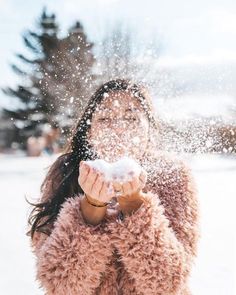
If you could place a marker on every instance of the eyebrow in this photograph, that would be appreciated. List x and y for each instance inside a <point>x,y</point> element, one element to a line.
<point>127,110</point>
<point>131,110</point>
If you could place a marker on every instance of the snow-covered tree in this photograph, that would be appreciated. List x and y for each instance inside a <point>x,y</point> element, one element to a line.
<point>56,79</point>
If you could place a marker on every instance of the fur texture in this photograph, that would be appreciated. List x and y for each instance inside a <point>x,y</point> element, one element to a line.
<point>150,252</point>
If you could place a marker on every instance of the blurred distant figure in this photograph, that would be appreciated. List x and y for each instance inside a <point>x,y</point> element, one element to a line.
<point>46,144</point>
<point>34,146</point>
<point>51,137</point>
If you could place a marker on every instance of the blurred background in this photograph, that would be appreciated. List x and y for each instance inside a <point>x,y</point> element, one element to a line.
<point>54,54</point>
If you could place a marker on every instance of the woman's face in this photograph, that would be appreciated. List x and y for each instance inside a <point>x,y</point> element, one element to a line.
<point>119,127</point>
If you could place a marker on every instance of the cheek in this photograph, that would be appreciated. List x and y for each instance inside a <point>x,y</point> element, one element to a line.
<point>143,130</point>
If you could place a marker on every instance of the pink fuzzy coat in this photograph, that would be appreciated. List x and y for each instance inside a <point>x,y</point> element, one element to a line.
<point>150,252</point>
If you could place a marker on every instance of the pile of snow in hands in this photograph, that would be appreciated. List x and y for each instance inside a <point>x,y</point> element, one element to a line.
<point>121,171</point>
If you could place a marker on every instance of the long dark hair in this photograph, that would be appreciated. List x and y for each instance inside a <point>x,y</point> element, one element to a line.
<point>61,181</point>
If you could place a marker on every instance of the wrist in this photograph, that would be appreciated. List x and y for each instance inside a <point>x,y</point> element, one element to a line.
<point>139,195</point>
<point>92,214</point>
<point>131,203</point>
<point>95,202</point>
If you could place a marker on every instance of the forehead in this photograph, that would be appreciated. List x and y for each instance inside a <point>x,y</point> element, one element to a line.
<point>120,100</point>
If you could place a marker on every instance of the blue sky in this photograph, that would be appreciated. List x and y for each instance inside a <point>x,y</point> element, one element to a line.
<point>192,30</point>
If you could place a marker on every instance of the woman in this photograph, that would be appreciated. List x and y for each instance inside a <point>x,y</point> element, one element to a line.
<point>85,242</point>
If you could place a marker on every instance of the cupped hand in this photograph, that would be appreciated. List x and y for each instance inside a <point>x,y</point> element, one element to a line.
<point>94,184</point>
<point>131,196</point>
<point>132,186</point>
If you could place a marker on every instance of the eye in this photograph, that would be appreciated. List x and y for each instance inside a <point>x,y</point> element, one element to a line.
<point>131,119</point>
<point>104,120</point>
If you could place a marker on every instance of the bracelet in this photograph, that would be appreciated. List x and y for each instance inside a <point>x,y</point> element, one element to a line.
<point>105,204</point>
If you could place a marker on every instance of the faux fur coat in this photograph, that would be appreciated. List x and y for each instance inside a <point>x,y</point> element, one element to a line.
<point>150,252</point>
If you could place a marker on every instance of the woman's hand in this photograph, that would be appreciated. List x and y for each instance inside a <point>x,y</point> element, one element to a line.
<point>92,182</point>
<point>131,195</point>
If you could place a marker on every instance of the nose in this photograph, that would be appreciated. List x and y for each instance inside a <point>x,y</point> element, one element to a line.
<point>119,127</point>
<point>119,132</point>
<point>117,122</point>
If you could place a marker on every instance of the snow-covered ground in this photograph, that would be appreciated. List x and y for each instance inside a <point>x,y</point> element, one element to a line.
<point>213,271</point>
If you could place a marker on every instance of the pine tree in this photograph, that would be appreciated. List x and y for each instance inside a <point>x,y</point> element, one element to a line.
<point>57,80</point>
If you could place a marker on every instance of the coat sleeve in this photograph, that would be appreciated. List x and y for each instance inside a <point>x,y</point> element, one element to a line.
<point>72,259</point>
<point>158,249</point>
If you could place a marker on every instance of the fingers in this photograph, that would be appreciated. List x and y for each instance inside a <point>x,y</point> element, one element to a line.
<point>127,188</point>
<point>90,180</point>
<point>106,192</point>
<point>84,170</point>
<point>97,185</point>
<point>143,178</point>
<point>117,186</point>
<point>137,183</point>
<point>93,183</point>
